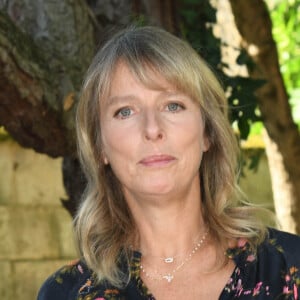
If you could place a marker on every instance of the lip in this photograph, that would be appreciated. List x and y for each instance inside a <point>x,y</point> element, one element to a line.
<point>157,160</point>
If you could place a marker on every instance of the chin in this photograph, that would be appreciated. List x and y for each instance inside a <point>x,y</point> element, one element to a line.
<point>159,189</point>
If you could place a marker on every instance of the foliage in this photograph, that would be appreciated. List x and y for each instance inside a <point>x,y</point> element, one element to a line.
<point>197,20</point>
<point>286,30</point>
<point>285,16</point>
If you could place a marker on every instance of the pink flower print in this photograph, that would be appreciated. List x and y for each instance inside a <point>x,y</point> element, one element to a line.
<point>239,284</point>
<point>295,291</point>
<point>257,289</point>
<point>286,290</point>
<point>242,242</point>
<point>79,267</point>
<point>239,287</point>
<point>100,298</point>
<point>251,258</point>
<point>287,278</point>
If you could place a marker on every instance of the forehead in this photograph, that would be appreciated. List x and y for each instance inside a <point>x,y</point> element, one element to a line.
<point>125,76</point>
<point>145,75</point>
<point>127,86</point>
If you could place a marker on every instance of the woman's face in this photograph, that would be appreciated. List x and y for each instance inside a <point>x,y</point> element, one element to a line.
<point>153,139</point>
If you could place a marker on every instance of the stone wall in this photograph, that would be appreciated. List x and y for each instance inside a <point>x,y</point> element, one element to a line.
<point>256,183</point>
<point>35,231</point>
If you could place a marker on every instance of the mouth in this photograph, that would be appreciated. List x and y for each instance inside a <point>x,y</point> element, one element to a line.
<point>157,160</point>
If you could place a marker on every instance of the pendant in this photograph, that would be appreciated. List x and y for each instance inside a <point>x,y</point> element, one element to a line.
<point>169,260</point>
<point>168,277</point>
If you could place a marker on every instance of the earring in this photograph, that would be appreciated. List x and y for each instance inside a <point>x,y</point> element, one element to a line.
<point>105,160</point>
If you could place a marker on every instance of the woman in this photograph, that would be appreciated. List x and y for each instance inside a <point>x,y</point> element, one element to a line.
<point>160,217</point>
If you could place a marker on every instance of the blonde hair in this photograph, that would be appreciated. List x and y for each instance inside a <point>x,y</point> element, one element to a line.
<point>104,226</point>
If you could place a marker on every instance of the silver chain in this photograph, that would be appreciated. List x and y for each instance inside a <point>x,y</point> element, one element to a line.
<point>170,276</point>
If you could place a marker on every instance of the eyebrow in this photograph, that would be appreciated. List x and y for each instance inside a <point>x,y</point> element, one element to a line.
<point>110,101</point>
<point>115,100</point>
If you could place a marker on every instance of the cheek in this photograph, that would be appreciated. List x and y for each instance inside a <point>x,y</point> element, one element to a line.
<point>117,145</point>
<point>194,136</point>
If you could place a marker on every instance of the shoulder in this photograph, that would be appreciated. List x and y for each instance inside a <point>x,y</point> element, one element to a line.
<point>76,282</point>
<point>287,244</point>
<point>65,283</point>
<point>272,271</point>
<point>280,253</point>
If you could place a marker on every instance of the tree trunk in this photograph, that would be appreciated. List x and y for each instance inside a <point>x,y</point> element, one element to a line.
<point>158,13</point>
<point>45,49</point>
<point>44,52</point>
<point>122,12</point>
<point>254,24</point>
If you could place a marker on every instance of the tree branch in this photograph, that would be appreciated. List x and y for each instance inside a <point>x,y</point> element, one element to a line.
<point>30,109</point>
<point>254,24</point>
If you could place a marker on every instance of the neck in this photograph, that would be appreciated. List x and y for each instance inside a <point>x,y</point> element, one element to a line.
<point>168,225</point>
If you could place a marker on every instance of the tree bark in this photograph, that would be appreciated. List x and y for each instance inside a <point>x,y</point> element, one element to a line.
<point>45,49</point>
<point>119,13</point>
<point>254,24</point>
<point>29,109</point>
<point>158,13</point>
<point>43,58</point>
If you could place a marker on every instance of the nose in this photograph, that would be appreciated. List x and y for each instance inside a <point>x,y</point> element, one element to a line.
<point>153,126</point>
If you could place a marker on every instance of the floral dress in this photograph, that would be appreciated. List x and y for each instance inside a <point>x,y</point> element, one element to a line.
<point>272,274</point>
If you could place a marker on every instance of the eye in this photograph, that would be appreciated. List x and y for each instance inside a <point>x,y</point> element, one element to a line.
<point>174,107</point>
<point>123,113</point>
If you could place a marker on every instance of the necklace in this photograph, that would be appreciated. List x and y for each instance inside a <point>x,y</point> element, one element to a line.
<point>167,260</point>
<point>170,276</point>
